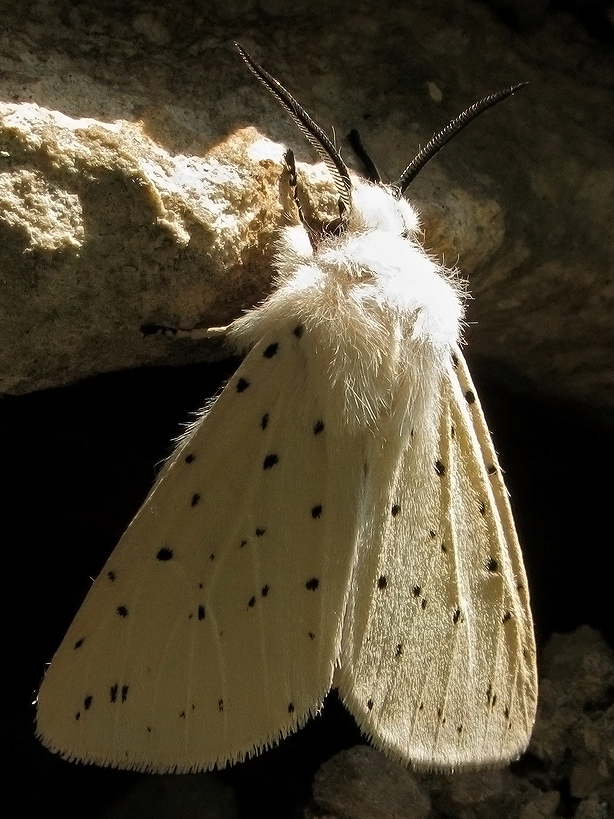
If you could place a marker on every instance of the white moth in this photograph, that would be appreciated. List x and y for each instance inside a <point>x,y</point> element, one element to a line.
<point>336,517</point>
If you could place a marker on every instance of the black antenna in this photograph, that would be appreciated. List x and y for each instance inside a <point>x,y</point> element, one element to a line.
<point>312,131</point>
<point>436,143</point>
<point>361,152</point>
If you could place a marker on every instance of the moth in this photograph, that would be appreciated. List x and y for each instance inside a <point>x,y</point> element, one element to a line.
<point>336,517</point>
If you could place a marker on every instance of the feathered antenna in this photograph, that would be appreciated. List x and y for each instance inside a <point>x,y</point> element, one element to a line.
<point>312,131</point>
<point>436,143</point>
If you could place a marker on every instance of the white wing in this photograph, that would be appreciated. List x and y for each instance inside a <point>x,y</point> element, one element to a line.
<point>438,656</point>
<point>214,627</point>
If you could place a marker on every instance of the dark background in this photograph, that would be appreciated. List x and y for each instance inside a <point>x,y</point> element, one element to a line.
<point>76,463</point>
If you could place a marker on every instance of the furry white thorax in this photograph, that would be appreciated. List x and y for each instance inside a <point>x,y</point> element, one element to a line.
<point>381,318</point>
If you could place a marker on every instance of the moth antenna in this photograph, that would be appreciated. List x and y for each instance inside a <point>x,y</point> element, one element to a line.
<point>369,166</point>
<point>311,130</point>
<point>438,140</point>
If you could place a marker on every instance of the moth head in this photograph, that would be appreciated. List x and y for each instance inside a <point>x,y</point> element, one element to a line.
<point>330,155</point>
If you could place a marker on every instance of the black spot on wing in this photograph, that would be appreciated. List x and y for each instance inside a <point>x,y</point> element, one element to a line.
<point>264,421</point>
<point>312,584</point>
<point>122,611</point>
<point>111,575</point>
<point>164,554</point>
<point>195,499</point>
<point>271,350</point>
<point>79,643</point>
<point>242,384</point>
<point>318,427</point>
<point>270,461</point>
<point>299,330</point>
<point>87,702</point>
<point>201,612</point>
<point>416,592</point>
<point>316,511</point>
<point>382,582</point>
<point>189,459</point>
<point>396,508</point>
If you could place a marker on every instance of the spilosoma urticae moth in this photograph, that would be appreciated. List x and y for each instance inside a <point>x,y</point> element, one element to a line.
<point>337,516</point>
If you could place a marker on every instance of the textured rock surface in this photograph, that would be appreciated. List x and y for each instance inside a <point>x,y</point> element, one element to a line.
<point>568,769</point>
<point>139,183</point>
<point>161,207</point>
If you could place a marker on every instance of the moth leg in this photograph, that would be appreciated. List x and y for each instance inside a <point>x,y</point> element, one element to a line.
<point>293,182</point>
<point>194,334</point>
<point>313,229</point>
